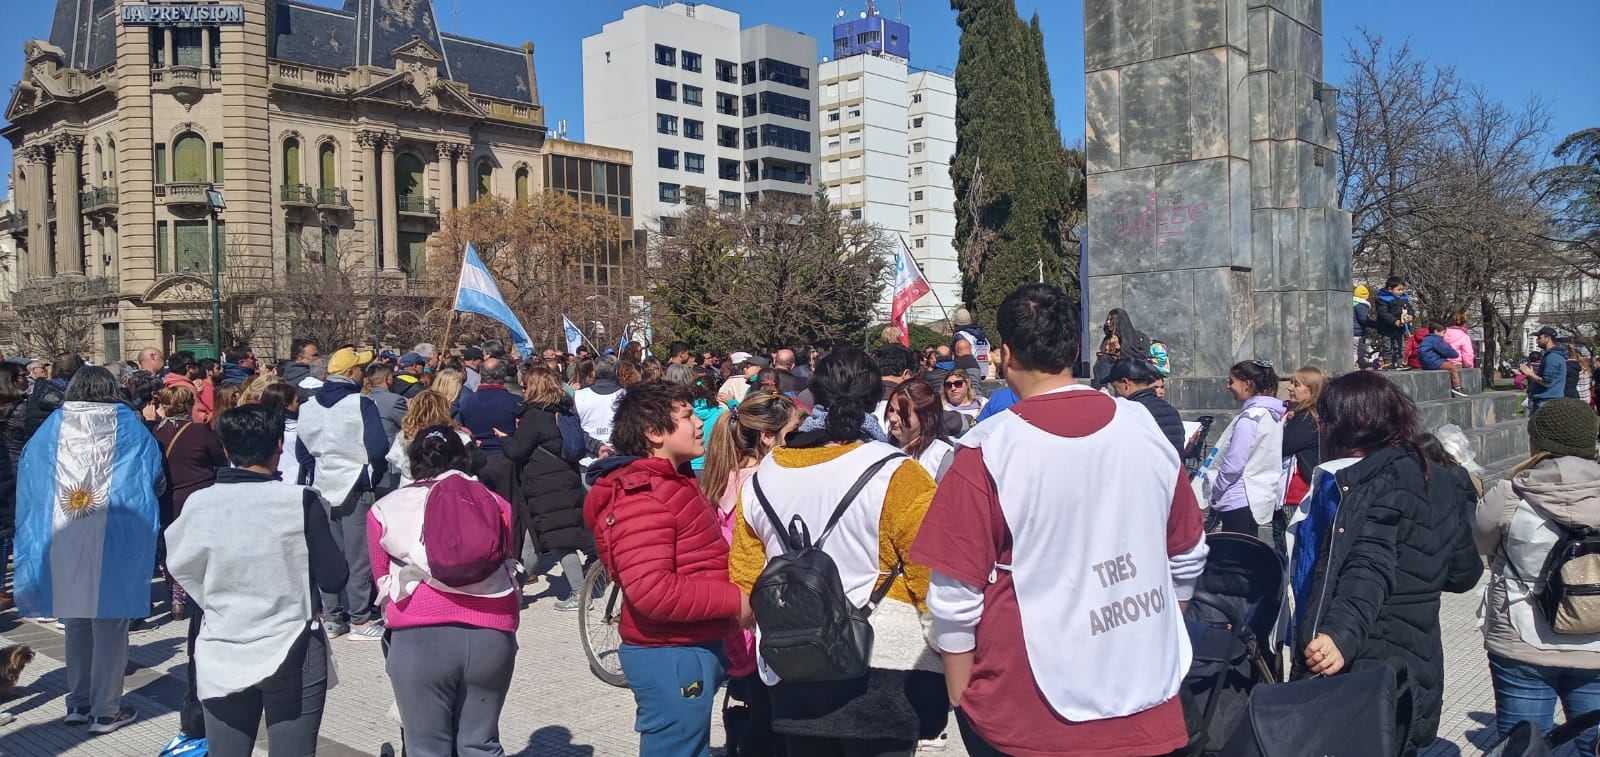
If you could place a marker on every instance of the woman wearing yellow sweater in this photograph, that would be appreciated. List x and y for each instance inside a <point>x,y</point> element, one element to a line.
<point>902,698</point>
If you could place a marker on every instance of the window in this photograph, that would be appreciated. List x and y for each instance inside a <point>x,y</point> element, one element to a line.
<point>694,196</point>
<point>192,248</point>
<point>292,242</point>
<point>916,123</point>
<point>921,242</point>
<point>158,48</point>
<point>330,245</point>
<point>666,158</point>
<point>783,73</point>
<point>782,136</point>
<point>163,263</point>
<point>833,143</point>
<point>666,124</point>
<point>291,161</point>
<point>917,195</point>
<point>692,95</point>
<point>666,56</point>
<point>833,167</point>
<point>789,107</point>
<point>691,61</point>
<point>694,163</point>
<point>916,171</point>
<point>852,85</point>
<point>855,137</point>
<point>727,104</point>
<point>729,200</point>
<point>189,158</point>
<point>749,105</point>
<point>216,162</point>
<point>694,129</point>
<point>916,147</point>
<point>485,178</point>
<point>749,73</point>
<point>855,214</point>
<point>727,170</point>
<point>666,90</point>
<point>854,190</point>
<point>413,252</point>
<point>916,98</point>
<point>833,115</point>
<point>855,112</point>
<point>328,165</point>
<point>727,71</point>
<point>186,47</point>
<point>522,183</point>
<point>917,219</point>
<point>727,136</point>
<point>668,192</point>
<point>408,175</point>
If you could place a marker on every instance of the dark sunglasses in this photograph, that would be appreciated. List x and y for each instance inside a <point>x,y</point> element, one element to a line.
<point>955,383</point>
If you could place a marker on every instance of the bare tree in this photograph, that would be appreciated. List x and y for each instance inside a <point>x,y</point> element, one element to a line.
<point>61,316</point>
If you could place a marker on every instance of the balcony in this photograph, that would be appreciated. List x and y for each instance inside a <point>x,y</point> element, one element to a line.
<point>413,205</point>
<point>333,198</point>
<point>68,289</point>
<point>99,199</point>
<point>186,83</point>
<point>175,193</point>
<point>778,174</point>
<point>297,194</point>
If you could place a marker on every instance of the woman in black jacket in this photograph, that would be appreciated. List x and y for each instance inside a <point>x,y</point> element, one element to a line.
<point>550,492</point>
<point>1380,539</point>
<point>13,403</point>
<point>1301,442</point>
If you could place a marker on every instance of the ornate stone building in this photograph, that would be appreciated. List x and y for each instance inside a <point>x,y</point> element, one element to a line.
<point>329,131</point>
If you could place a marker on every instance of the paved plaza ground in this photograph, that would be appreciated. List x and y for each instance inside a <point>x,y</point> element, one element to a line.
<point>556,708</point>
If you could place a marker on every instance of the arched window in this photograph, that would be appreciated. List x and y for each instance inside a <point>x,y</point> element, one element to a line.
<point>111,162</point>
<point>99,163</point>
<point>407,175</point>
<point>291,161</point>
<point>485,178</point>
<point>327,165</point>
<point>522,183</point>
<point>189,158</point>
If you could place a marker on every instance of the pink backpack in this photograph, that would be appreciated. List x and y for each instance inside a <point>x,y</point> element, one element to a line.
<point>464,534</point>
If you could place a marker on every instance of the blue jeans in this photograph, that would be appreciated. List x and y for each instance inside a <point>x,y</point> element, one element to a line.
<point>1529,692</point>
<point>674,688</point>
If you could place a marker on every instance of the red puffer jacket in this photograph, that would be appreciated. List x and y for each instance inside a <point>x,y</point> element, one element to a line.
<point>658,537</point>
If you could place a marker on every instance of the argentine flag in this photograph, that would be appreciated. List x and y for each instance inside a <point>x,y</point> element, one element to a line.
<point>87,516</point>
<point>476,293</point>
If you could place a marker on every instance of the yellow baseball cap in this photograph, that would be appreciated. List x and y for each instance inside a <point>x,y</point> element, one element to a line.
<point>346,359</point>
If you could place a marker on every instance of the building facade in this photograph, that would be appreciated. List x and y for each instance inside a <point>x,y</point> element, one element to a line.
<point>713,114</point>
<point>329,131</point>
<point>888,134</point>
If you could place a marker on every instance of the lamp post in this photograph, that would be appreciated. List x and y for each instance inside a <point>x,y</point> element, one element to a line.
<point>372,300</point>
<point>215,205</point>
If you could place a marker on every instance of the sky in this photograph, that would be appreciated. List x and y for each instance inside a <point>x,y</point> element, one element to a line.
<point>1514,50</point>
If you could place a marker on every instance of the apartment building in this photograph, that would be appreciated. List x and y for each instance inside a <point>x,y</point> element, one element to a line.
<point>713,113</point>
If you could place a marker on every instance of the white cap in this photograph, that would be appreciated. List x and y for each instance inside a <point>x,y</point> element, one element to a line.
<point>739,357</point>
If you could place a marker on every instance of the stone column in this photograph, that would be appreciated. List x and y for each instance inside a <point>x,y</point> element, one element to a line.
<point>391,212</point>
<point>462,155</point>
<point>372,209</point>
<point>447,161</point>
<point>167,47</point>
<point>69,219</point>
<point>35,159</point>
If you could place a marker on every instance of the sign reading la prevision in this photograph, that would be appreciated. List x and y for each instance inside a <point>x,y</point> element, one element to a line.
<point>182,14</point>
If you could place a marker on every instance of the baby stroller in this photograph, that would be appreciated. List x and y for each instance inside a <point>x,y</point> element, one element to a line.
<point>1232,621</point>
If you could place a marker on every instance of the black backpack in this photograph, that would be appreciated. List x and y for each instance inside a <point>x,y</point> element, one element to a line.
<point>809,629</point>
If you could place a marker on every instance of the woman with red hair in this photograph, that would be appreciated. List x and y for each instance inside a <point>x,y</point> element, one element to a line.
<point>916,425</point>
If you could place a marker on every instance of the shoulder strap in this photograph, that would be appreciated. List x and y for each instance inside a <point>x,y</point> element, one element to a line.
<point>850,496</point>
<point>772,516</point>
<point>181,429</point>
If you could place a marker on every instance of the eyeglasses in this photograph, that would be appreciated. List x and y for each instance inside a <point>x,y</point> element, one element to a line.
<point>949,384</point>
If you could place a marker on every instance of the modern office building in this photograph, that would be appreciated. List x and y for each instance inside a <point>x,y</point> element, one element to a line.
<point>888,133</point>
<point>713,113</point>
<point>324,126</point>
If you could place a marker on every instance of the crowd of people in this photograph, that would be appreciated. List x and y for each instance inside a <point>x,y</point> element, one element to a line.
<point>867,549</point>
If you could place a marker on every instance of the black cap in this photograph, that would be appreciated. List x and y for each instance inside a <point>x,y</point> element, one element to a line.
<point>1546,331</point>
<point>471,353</point>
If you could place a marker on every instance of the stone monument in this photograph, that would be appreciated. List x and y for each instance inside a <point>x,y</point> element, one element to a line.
<point>1211,149</point>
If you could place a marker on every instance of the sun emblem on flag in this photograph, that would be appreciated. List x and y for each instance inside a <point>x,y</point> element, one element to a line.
<point>81,499</point>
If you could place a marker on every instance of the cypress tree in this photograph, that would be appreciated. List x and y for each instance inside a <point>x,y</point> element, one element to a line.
<point>1005,129</point>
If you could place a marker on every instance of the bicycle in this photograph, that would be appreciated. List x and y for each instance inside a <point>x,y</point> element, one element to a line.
<point>598,625</point>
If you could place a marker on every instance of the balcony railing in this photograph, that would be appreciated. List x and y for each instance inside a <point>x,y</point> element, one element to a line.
<point>332,197</point>
<point>187,83</point>
<point>789,176</point>
<point>73,288</point>
<point>183,192</point>
<point>415,205</point>
<point>98,198</point>
<point>297,194</point>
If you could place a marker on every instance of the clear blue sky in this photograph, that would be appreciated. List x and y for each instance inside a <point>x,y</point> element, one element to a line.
<point>1514,49</point>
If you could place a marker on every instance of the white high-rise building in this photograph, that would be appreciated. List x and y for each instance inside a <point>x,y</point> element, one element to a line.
<point>713,113</point>
<point>888,134</point>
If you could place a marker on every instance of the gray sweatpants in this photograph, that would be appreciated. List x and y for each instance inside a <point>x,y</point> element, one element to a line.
<point>354,602</point>
<point>97,658</point>
<point>450,683</point>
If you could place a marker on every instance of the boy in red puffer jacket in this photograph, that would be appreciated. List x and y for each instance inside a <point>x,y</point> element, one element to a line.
<point>659,539</point>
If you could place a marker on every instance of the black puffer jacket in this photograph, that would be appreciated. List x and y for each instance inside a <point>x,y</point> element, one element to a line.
<point>1166,416</point>
<point>1398,540</point>
<point>1300,441</point>
<point>550,490</point>
<point>47,395</point>
<point>11,437</point>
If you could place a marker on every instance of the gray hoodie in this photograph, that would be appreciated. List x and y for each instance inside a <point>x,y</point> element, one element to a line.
<point>1561,490</point>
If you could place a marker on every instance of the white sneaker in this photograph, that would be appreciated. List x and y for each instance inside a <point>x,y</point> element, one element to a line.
<point>102,726</point>
<point>938,744</point>
<point>76,717</point>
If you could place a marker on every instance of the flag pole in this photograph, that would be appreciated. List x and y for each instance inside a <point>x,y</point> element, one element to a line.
<point>444,348</point>
<point>931,289</point>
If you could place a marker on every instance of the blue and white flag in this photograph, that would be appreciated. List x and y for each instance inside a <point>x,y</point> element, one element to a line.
<point>574,336</point>
<point>87,514</point>
<point>622,345</point>
<point>476,293</point>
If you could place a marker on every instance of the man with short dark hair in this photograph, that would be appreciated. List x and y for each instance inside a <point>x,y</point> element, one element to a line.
<point>239,364</point>
<point>301,354</point>
<point>377,382</point>
<point>679,352</point>
<point>1022,616</point>
<point>408,380</point>
<point>183,370</point>
<point>1550,380</point>
<point>1136,380</point>
<point>472,362</point>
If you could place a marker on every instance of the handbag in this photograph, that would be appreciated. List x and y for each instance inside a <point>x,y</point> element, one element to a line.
<point>1353,714</point>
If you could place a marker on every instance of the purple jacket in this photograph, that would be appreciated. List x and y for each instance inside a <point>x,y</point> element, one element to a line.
<point>1228,491</point>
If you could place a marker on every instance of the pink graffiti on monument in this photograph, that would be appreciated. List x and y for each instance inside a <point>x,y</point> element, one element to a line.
<point>1159,223</point>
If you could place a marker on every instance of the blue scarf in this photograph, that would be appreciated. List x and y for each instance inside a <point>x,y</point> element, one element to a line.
<point>869,424</point>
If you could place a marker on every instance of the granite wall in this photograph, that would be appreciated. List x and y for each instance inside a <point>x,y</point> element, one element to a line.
<point>1211,157</point>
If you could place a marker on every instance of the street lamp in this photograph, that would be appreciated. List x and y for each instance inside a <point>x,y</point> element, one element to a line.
<point>215,204</point>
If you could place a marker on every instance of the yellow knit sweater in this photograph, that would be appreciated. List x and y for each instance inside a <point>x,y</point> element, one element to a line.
<point>910,491</point>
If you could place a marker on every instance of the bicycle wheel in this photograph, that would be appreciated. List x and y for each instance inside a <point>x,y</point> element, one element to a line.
<point>598,625</point>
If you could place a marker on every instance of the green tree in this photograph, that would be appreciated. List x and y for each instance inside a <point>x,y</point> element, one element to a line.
<point>1574,189</point>
<point>1012,189</point>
